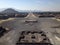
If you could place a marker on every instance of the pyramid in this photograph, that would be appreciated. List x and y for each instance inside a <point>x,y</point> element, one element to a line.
<point>31,17</point>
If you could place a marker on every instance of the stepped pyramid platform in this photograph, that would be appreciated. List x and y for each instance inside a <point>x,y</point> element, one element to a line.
<point>31,18</point>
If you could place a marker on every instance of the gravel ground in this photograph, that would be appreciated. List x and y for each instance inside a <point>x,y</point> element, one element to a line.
<point>17,25</point>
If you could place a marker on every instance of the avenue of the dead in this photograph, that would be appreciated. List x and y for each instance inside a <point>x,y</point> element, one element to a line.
<point>15,25</point>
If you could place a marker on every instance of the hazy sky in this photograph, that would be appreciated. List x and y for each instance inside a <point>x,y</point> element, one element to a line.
<point>43,5</point>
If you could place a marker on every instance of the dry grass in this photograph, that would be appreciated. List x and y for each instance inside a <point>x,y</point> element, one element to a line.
<point>1,21</point>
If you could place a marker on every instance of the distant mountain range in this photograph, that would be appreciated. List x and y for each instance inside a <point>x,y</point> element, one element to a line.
<point>2,9</point>
<point>11,10</point>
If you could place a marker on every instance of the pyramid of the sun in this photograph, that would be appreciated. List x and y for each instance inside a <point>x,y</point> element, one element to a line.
<point>31,17</point>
